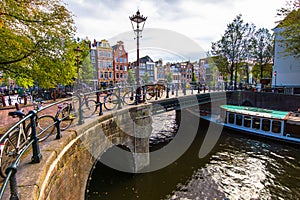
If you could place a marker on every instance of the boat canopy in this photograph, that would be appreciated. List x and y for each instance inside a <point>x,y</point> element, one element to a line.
<point>253,111</point>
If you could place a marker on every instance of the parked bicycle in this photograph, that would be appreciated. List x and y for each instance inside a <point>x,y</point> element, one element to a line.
<point>67,113</point>
<point>19,137</point>
<point>112,98</point>
<point>22,98</point>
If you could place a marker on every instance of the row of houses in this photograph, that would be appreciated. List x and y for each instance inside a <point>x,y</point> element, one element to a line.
<point>111,66</point>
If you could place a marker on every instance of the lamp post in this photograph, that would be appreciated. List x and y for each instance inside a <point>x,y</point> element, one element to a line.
<point>78,55</point>
<point>138,18</point>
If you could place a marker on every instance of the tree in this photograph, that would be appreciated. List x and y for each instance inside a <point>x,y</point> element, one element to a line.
<point>87,69</point>
<point>146,78</point>
<point>170,77</point>
<point>290,25</point>
<point>263,49</point>
<point>231,45</point>
<point>35,42</point>
<point>130,77</point>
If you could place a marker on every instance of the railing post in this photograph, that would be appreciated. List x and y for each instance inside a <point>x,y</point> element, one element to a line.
<point>99,103</point>
<point>80,121</point>
<point>119,98</point>
<point>156,93</point>
<point>57,124</point>
<point>36,155</point>
<point>144,93</point>
<point>198,88</point>
<point>167,96</point>
<point>173,89</point>
<point>14,194</point>
<point>177,87</point>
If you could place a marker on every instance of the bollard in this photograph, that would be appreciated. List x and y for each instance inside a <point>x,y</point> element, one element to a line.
<point>3,100</point>
<point>17,106</point>
<point>36,155</point>
<point>25,99</point>
<point>156,93</point>
<point>177,90</point>
<point>198,88</point>
<point>54,95</point>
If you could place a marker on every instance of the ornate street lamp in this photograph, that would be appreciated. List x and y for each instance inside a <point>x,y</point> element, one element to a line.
<point>138,18</point>
<point>78,55</point>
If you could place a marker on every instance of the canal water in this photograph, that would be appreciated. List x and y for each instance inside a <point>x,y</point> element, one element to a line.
<point>238,167</point>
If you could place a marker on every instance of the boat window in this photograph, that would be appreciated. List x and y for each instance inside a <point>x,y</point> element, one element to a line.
<point>276,126</point>
<point>247,121</point>
<point>239,119</point>
<point>256,123</point>
<point>266,125</point>
<point>231,118</point>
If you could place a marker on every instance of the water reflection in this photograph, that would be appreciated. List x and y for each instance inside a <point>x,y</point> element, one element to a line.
<point>239,167</point>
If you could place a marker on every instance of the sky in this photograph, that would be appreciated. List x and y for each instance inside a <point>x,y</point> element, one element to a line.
<point>175,30</point>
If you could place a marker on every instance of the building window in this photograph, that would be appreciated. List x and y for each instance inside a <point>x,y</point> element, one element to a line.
<point>120,59</point>
<point>93,60</point>
<point>116,59</point>
<point>256,123</point>
<point>276,126</point>
<point>247,121</point>
<point>231,118</point>
<point>239,120</point>
<point>266,125</point>
<point>125,60</point>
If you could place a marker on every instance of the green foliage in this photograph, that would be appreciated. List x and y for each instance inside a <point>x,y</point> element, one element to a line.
<point>263,46</point>
<point>194,79</point>
<point>170,77</point>
<point>130,77</point>
<point>35,42</point>
<point>146,78</point>
<point>291,27</point>
<point>232,45</point>
<point>267,73</point>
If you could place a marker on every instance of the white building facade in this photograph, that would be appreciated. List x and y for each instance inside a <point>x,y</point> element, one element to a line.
<point>286,69</point>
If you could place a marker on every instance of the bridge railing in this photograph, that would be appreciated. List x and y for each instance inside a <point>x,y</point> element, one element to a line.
<point>148,92</point>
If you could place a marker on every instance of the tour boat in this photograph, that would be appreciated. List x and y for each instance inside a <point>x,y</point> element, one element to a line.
<point>274,124</point>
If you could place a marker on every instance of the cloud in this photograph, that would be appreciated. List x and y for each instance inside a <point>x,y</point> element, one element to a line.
<point>203,21</point>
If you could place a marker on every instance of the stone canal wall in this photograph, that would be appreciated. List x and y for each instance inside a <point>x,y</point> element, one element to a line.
<point>64,170</point>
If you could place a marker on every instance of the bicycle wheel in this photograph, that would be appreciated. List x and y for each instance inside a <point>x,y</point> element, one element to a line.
<point>19,99</point>
<point>66,118</point>
<point>45,127</point>
<point>89,108</point>
<point>111,102</point>
<point>129,98</point>
<point>8,153</point>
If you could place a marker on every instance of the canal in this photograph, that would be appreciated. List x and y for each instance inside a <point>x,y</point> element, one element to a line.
<point>238,167</point>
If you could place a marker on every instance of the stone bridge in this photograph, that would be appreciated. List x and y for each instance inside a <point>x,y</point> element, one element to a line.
<point>66,165</point>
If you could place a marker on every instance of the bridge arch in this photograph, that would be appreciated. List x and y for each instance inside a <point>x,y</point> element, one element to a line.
<point>67,162</point>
